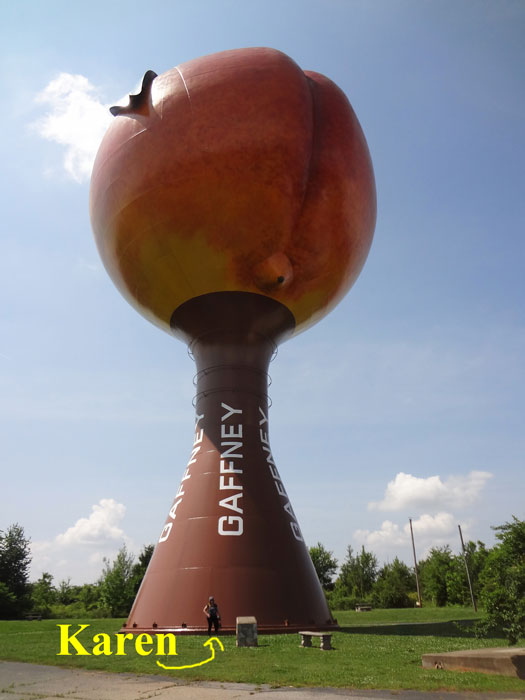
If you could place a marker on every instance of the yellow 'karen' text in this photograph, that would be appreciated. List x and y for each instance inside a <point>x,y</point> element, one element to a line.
<point>102,643</point>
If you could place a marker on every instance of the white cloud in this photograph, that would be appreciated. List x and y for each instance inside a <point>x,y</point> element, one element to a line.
<point>429,531</point>
<point>408,492</point>
<point>78,552</point>
<point>432,526</point>
<point>101,526</point>
<point>76,119</point>
<point>389,535</point>
<point>437,531</point>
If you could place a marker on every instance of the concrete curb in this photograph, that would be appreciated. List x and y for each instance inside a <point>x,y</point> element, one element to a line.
<point>505,661</point>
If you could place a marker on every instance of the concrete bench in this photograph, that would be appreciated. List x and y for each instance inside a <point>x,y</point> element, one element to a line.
<point>325,639</point>
<point>33,617</point>
<point>363,608</point>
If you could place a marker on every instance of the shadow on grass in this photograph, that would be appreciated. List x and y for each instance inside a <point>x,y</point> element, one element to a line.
<point>453,628</point>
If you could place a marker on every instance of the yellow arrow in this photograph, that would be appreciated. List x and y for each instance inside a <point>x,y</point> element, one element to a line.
<point>209,643</point>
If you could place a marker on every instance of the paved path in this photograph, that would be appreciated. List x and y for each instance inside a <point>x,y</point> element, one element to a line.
<point>19,681</point>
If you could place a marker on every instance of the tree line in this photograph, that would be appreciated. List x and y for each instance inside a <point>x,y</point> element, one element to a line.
<point>442,577</point>
<point>497,575</point>
<point>111,596</point>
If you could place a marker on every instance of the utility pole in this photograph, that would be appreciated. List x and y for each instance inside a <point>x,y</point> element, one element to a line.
<point>419,604</point>
<point>468,572</point>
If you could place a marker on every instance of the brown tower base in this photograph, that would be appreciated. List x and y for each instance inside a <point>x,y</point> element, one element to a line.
<point>231,531</point>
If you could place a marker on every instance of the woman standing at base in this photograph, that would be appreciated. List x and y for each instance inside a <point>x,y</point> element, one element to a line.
<point>211,611</point>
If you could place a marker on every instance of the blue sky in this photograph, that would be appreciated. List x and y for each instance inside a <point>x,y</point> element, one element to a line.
<point>406,401</point>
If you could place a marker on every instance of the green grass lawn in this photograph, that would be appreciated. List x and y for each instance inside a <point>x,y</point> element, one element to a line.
<point>377,649</point>
<point>405,615</point>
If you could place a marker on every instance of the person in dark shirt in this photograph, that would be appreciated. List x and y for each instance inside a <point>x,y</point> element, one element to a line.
<point>211,610</point>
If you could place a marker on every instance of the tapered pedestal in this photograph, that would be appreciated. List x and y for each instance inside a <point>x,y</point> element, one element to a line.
<point>231,531</point>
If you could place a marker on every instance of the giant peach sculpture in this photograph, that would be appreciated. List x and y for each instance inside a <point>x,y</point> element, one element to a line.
<point>233,204</point>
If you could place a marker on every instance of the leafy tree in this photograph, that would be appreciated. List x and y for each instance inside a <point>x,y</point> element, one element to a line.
<point>503,581</point>
<point>394,583</point>
<point>358,574</point>
<point>7,599</point>
<point>89,595</point>
<point>458,592</point>
<point>117,584</point>
<point>325,564</point>
<point>477,554</point>
<point>139,569</point>
<point>15,557</point>
<point>433,573</point>
<point>66,593</point>
<point>43,594</point>
<point>78,601</point>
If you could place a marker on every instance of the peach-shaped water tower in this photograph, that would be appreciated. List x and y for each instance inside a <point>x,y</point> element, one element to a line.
<point>233,205</point>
